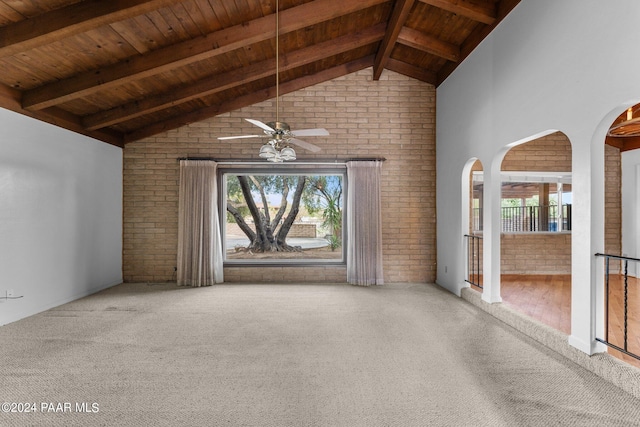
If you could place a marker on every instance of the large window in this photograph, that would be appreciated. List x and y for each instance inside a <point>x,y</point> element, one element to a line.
<point>285,215</point>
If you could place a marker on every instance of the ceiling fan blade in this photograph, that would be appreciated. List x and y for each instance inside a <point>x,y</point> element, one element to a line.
<point>260,125</point>
<point>240,137</point>
<point>310,132</point>
<point>305,145</point>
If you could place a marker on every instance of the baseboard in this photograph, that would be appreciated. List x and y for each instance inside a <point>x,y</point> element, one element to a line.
<point>56,303</point>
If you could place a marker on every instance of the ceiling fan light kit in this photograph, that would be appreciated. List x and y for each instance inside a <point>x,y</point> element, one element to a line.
<point>267,151</point>
<point>279,134</point>
<point>287,153</point>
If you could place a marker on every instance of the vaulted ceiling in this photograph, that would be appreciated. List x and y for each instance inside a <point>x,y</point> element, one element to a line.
<point>122,70</point>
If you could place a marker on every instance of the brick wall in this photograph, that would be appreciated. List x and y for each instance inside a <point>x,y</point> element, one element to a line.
<point>551,153</point>
<point>392,118</point>
<point>613,203</point>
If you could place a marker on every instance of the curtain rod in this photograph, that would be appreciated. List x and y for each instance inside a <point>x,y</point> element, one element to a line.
<point>310,162</point>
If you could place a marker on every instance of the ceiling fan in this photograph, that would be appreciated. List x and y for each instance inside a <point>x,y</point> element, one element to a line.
<point>278,133</point>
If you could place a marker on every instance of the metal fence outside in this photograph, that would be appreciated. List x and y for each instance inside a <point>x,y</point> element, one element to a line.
<point>529,218</point>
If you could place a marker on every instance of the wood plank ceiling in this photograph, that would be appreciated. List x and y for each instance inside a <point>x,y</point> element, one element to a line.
<point>122,70</point>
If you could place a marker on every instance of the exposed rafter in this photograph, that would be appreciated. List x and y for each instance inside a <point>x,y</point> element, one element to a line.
<point>396,22</point>
<point>10,99</point>
<point>477,12</point>
<point>122,70</point>
<point>218,83</point>
<point>186,53</point>
<point>68,21</point>
<point>412,71</point>
<point>429,44</point>
<point>247,100</point>
<point>476,37</point>
<point>624,143</point>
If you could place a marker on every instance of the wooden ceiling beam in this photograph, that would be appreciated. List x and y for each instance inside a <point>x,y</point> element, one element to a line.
<point>619,143</point>
<point>476,12</point>
<point>474,39</point>
<point>70,20</point>
<point>247,100</point>
<point>631,143</point>
<point>244,75</point>
<point>11,100</point>
<point>66,120</point>
<point>412,71</point>
<point>626,143</point>
<point>396,22</point>
<point>188,52</point>
<point>426,43</point>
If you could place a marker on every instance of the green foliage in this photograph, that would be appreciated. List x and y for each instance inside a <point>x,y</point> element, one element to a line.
<point>272,194</point>
<point>334,242</point>
<point>332,217</point>
<point>325,196</point>
<point>510,203</point>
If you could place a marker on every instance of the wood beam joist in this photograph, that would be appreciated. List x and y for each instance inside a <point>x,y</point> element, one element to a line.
<point>10,99</point>
<point>631,143</point>
<point>619,143</point>
<point>412,71</point>
<point>220,82</point>
<point>476,12</point>
<point>426,43</point>
<point>476,37</point>
<point>69,121</point>
<point>70,20</point>
<point>184,53</point>
<point>396,22</point>
<point>244,101</point>
<point>626,143</point>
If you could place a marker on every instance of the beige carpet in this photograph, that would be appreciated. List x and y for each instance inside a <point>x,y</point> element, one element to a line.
<point>292,355</point>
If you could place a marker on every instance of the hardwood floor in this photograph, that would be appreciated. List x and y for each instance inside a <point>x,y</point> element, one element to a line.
<point>547,298</point>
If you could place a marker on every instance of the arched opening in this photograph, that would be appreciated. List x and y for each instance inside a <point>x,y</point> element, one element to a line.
<point>622,234</point>
<point>536,222</point>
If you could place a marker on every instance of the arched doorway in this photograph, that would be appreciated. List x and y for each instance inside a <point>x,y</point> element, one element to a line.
<point>622,224</point>
<point>536,221</point>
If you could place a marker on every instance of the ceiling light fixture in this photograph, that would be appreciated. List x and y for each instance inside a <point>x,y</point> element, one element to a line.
<point>279,134</point>
<point>277,148</point>
<point>626,128</point>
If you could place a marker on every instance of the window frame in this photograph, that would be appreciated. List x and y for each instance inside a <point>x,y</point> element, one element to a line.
<point>290,169</point>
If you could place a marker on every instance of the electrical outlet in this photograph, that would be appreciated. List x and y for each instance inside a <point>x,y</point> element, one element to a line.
<point>10,293</point>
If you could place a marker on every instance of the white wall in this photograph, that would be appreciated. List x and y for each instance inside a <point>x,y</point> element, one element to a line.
<point>565,65</point>
<point>60,215</point>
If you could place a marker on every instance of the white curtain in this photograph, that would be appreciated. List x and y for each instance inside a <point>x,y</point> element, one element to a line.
<point>199,243</point>
<point>364,222</point>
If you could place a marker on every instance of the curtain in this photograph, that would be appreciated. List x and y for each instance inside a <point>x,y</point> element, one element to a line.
<point>199,242</point>
<point>364,222</point>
